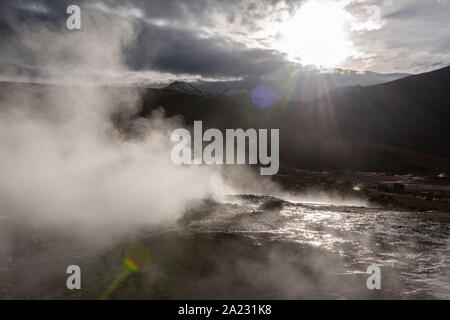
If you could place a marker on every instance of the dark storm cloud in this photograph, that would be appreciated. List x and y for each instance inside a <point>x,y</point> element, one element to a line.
<point>180,51</point>
<point>173,39</point>
<point>217,39</point>
<point>169,38</point>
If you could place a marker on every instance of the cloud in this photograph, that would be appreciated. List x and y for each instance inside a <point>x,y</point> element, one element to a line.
<point>414,37</point>
<point>229,40</point>
<point>160,51</point>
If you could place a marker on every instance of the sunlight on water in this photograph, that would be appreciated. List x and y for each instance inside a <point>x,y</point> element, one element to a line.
<point>417,249</point>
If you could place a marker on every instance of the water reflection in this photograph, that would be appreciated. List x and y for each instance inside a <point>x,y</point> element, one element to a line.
<point>416,246</point>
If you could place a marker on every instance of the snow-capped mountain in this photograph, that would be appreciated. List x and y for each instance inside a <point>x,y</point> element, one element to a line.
<point>185,88</point>
<point>237,94</point>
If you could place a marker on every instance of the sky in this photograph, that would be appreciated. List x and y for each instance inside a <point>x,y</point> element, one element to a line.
<point>252,41</point>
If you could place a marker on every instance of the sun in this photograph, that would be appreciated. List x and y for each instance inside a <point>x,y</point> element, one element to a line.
<point>317,34</point>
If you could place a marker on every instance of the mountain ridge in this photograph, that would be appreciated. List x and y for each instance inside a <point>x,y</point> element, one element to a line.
<point>399,126</point>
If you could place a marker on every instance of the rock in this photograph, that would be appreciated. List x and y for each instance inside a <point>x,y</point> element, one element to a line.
<point>271,204</point>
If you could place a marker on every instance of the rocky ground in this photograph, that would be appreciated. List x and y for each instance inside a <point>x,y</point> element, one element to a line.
<point>245,247</point>
<point>406,192</point>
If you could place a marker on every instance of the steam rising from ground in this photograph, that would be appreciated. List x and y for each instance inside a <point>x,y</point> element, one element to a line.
<point>65,165</point>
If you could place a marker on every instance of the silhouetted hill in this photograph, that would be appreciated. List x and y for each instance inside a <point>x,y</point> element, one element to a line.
<point>400,126</point>
<point>410,113</point>
<point>184,87</point>
<point>397,126</point>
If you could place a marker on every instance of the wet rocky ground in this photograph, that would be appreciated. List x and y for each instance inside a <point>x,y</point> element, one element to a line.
<point>246,247</point>
<point>416,192</point>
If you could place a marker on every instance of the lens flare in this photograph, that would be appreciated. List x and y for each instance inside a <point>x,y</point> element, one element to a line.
<point>136,258</point>
<point>264,96</point>
<point>130,264</point>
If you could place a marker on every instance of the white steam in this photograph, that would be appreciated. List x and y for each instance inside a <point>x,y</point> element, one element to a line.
<point>64,164</point>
